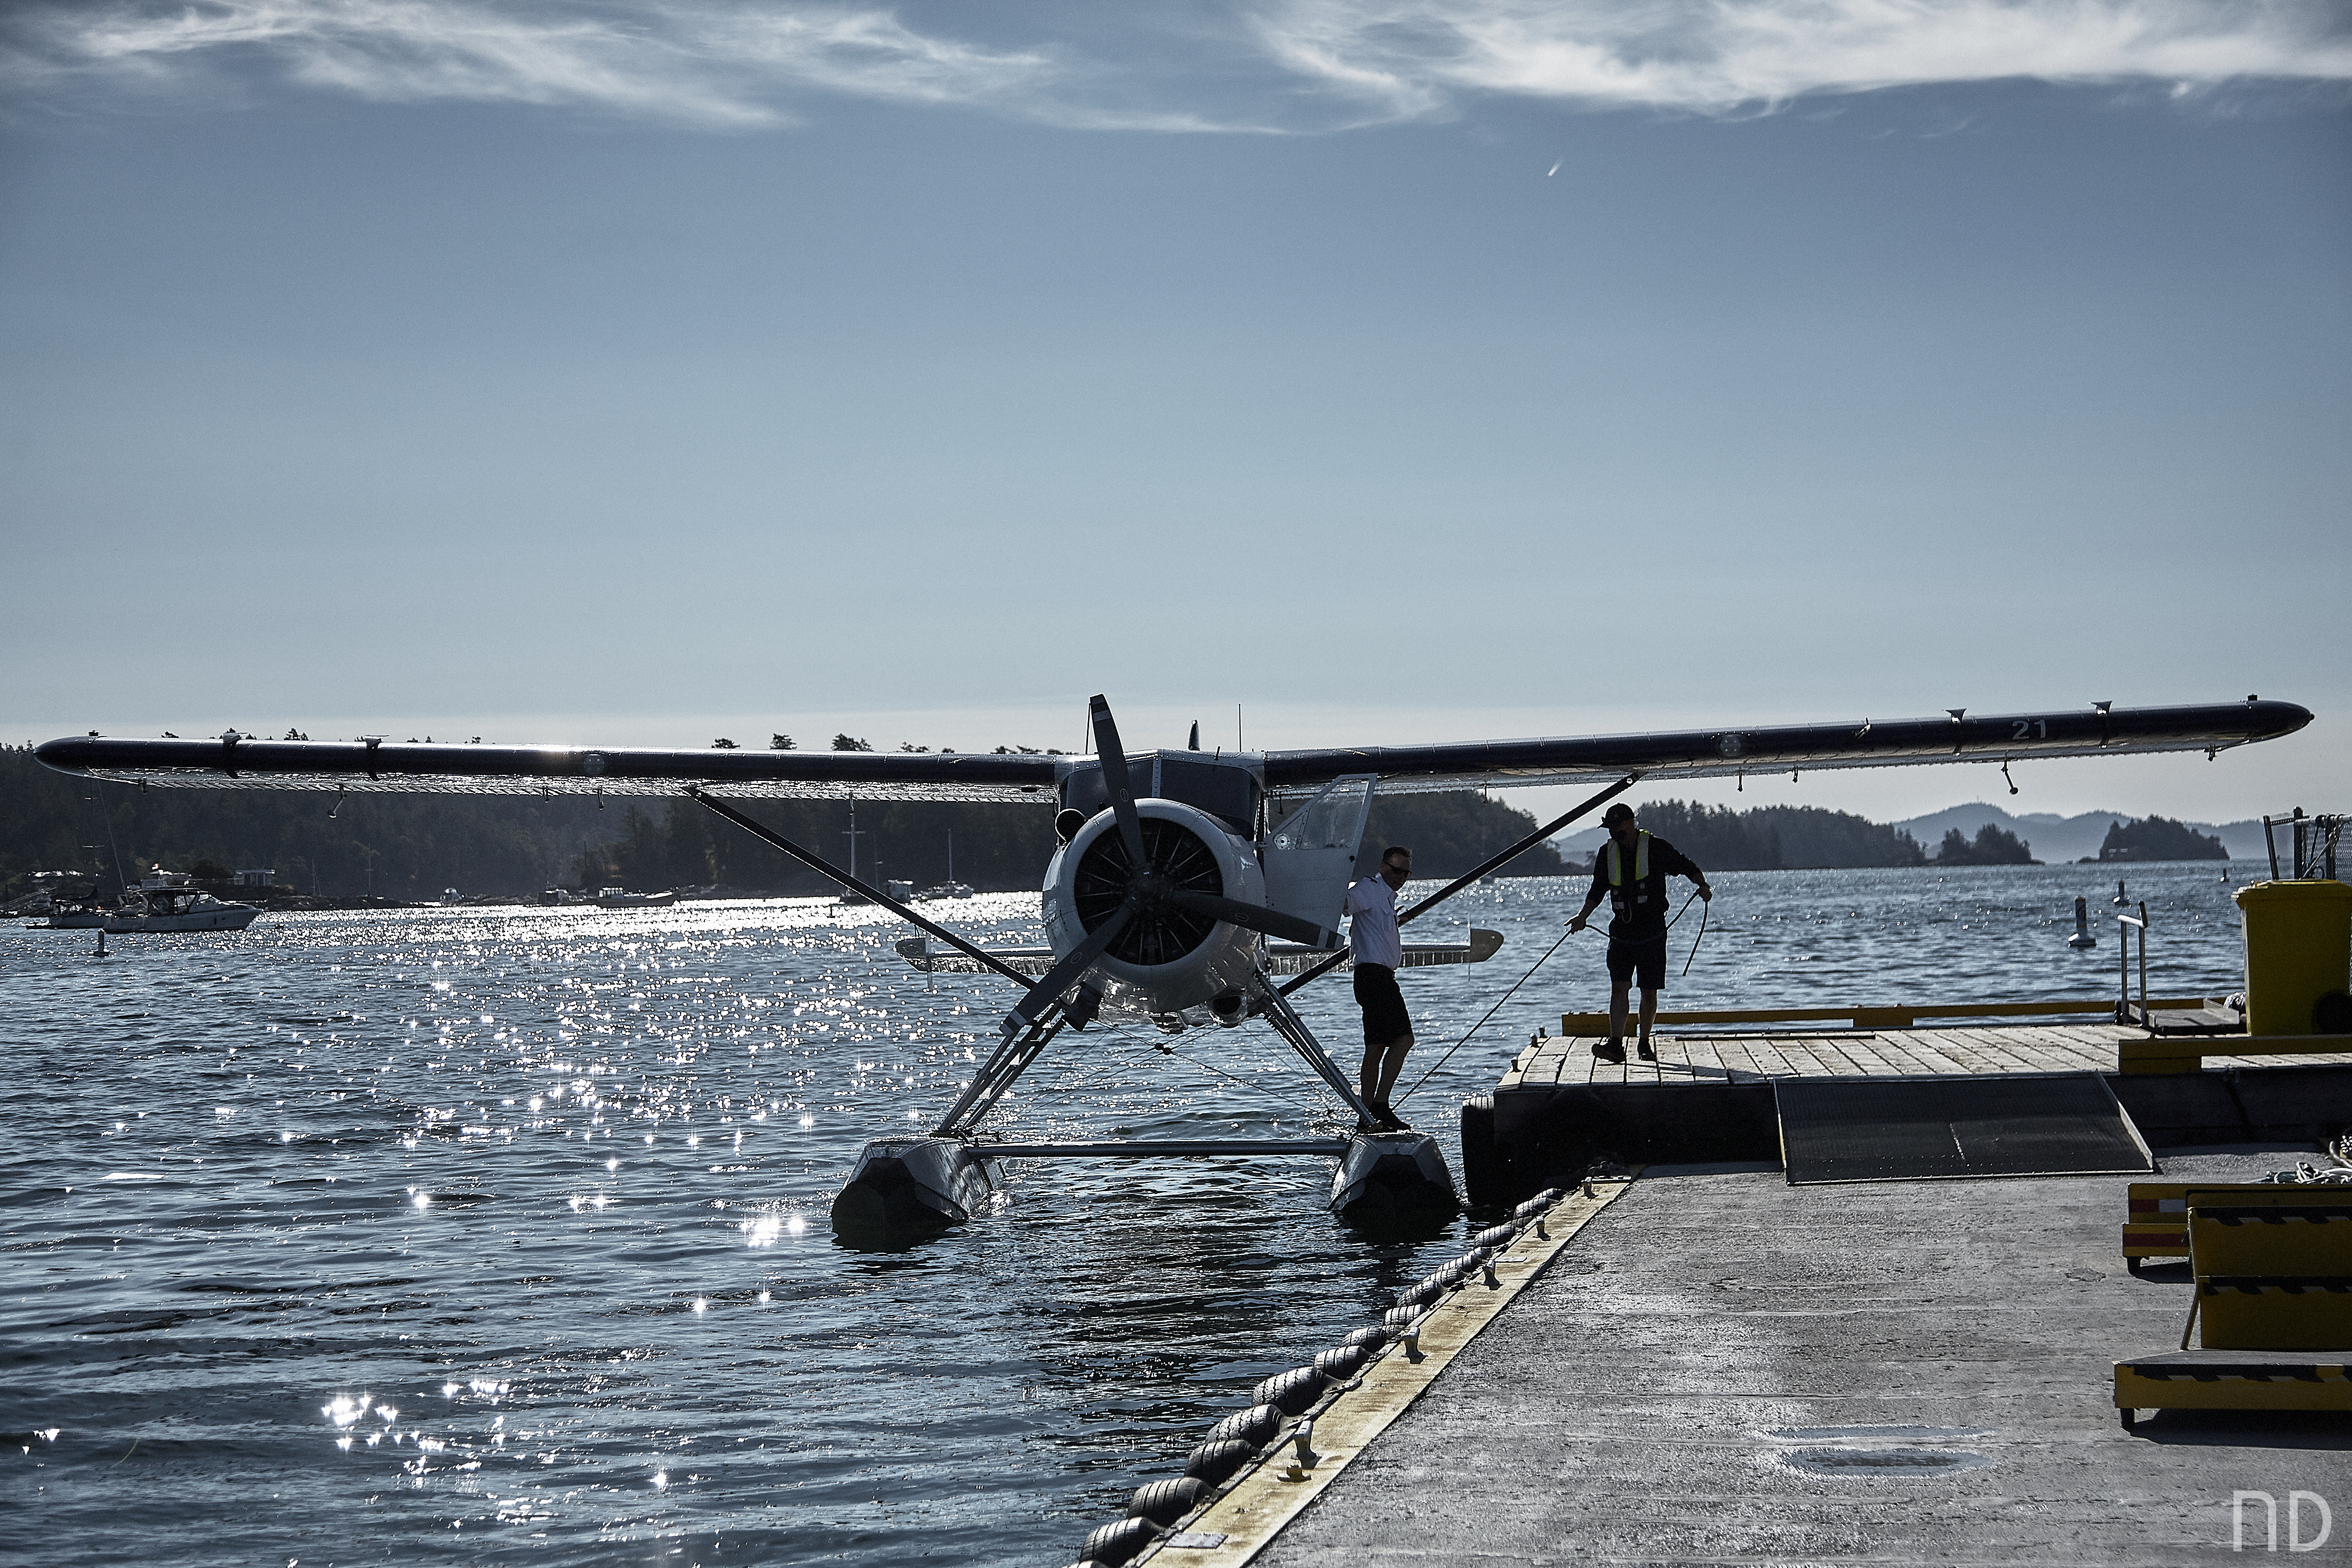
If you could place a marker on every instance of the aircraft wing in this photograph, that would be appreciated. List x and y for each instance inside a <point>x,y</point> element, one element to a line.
<point>235,761</point>
<point>368,765</point>
<point>1958,736</point>
<point>1282,957</point>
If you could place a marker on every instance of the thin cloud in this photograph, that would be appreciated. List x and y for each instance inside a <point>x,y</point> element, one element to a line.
<point>735,65</point>
<point>1214,65</point>
<point>1413,55</point>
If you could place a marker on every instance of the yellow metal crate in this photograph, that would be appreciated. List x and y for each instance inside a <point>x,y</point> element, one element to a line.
<point>2239,1241</point>
<point>2274,1313</point>
<point>2155,1212</point>
<point>2198,1380</point>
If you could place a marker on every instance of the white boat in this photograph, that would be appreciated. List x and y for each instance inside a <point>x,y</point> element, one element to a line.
<point>622,898</point>
<point>175,908</point>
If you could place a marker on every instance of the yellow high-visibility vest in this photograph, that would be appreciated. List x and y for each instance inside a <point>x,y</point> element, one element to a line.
<point>1640,860</point>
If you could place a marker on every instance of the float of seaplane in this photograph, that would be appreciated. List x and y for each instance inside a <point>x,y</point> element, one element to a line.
<point>1190,888</point>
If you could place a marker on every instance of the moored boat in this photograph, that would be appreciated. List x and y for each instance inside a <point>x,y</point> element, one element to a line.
<point>622,898</point>
<point>176,907</point>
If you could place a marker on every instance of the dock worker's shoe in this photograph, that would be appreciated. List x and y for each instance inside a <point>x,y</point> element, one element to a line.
<point>1646,1051</point>
<point>1610,1050</point>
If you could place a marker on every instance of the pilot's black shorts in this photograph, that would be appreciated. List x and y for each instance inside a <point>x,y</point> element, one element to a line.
<point>1648,957</point>
<point>1385,1019</point>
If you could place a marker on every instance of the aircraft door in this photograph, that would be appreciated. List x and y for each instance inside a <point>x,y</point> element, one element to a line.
<point>1310,855</point>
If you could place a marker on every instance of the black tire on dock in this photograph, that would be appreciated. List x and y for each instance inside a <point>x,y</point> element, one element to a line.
<point>1256,1425</point>
<point>1212,1461</point>
<point>1340,1362</point>
<point>1369,1339</point>
<point>1115,1543</point>
<point>1290,1392</point>
<point>1165,1502</point>
<point>1486,1174</point>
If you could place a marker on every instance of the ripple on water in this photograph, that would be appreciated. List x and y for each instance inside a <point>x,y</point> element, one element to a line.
<point>619,1325</point>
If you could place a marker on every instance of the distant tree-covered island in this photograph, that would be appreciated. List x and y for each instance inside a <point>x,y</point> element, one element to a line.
<point>1991,846</point>
<point>2154,838</point>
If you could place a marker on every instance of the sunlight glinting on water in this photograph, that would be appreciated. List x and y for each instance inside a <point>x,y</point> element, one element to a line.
<point>490,1234</point>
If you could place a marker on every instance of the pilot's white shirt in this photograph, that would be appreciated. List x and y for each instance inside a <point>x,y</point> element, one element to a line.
<point>1372,923</point>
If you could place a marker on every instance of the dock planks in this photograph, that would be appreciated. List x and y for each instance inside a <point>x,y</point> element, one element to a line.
<point>1713,1055</point>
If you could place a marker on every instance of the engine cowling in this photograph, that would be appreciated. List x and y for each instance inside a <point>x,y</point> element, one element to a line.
<point>1167,959</point>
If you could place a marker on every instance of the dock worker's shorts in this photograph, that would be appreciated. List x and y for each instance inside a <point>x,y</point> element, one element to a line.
<point>1385,1019</point>
<point>1648,957</point>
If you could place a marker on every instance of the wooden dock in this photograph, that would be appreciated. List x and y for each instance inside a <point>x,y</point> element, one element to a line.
<point>1710,1096</point>
<point>1727,1054</point>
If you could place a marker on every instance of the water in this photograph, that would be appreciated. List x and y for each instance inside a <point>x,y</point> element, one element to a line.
<point>497,1235</point>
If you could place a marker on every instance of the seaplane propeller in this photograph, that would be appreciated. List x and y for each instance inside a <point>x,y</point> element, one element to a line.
<point>1161,906</point>
<point>1148,895</point>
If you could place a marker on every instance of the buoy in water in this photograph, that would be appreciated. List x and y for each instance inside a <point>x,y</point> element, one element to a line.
<point>2083,937</point>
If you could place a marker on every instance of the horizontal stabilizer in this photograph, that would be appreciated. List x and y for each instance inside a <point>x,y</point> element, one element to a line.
<point>1282,958</point>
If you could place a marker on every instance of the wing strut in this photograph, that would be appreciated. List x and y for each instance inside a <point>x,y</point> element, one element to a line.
<point>768,836</point>
<point>1009,1061</point>
<point>1491,863</point>
<point>1292,1029</point>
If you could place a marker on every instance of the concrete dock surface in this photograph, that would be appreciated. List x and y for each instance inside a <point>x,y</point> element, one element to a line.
<point>1721,1368</point>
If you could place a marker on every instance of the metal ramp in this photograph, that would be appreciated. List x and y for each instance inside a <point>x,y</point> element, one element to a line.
<point>1952,1128</point>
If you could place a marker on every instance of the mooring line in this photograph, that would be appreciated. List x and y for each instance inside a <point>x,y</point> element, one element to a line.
<point>1474,1027</point>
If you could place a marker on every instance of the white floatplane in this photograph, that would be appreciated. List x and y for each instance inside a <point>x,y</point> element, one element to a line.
<point>1184,883</point>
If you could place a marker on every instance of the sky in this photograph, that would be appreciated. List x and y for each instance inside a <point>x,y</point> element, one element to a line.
<point>641,372</point>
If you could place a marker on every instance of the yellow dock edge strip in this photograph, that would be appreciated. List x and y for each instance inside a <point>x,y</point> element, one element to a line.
<point>1254,1509</point>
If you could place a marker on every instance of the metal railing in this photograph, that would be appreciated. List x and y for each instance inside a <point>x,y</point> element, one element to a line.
<point>2128,923</point>
<point>2312,849</point>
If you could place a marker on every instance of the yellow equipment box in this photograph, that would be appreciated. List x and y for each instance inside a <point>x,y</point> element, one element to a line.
<point>2274,1313</point>
<point>2244,1380</point>
<point>2155,1212</point>
<point>2298,949</point>
<point>2272,1240</point>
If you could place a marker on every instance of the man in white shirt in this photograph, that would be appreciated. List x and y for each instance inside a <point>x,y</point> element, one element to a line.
<point>1372,938</point>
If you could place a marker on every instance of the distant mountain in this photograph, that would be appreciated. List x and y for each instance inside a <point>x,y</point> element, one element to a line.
<point>2054,839</point>
<point>2057,838</point>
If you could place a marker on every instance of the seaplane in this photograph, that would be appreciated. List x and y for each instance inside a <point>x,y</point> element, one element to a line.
<point>1190,888</point>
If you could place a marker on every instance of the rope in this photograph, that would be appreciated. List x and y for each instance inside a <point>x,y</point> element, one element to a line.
<point>1702,932</point>
<point>1474,1027</point>
<point>1090,1074</point>
<point>1206,1067</point>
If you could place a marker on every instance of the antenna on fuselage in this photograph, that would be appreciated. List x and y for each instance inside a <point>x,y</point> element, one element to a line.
<point>1194,744</point>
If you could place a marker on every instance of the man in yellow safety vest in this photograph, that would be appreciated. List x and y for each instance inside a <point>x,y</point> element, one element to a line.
<point>1631,872</point>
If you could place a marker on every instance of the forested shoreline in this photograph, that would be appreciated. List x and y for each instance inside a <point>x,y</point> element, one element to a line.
<point>412,847</point>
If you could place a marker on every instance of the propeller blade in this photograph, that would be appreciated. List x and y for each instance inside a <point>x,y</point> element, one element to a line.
<point>1067,973</point>
<point>1253,917</point>
<point>1115,780</point>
